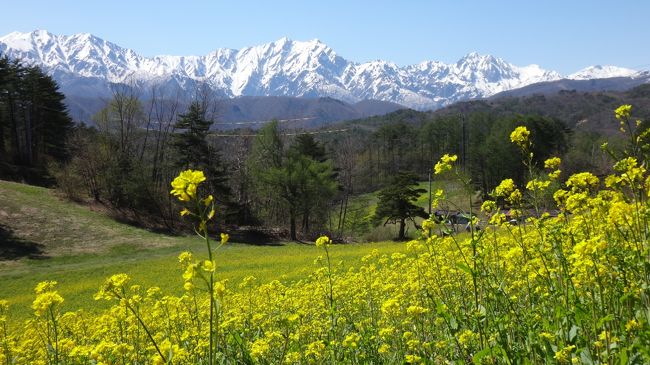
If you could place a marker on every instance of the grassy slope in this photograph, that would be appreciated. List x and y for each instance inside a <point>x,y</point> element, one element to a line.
<point>79,248</point>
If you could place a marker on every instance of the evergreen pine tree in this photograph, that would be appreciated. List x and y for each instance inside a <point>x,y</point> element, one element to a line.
<point>34,123</point>
<point>194,152</point>
<point>397,202</point>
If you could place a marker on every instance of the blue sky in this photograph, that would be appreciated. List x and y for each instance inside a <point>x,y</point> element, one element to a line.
<point>560,35</point>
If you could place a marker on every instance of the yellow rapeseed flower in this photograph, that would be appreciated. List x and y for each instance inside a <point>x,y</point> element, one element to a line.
<point>352,340</point>
<point>582,181</point>
<point>632,325</point>
<point>623,111</point>
<point>564,355</point>
<point>185,258</point>
<point>185,184</point>
<point>323,241</point>
<point>112,286</point>
<point>466,337</point>
<point>520,136</point>
<point>488,206</point>
<point>412,359</point>
<point>505,188</point>
<point>219,289</point>
<point>554,175</point>
<point>537,185</point>
<point>44,286</point>
<point>260,348</point>
<point>445,164</point>
<point>552,163</point>
<point>207,201</point>
<point>208,265</point>
<point>45,301</point>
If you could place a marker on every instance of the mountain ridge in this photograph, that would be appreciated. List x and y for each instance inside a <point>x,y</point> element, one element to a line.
<point>84,63</point>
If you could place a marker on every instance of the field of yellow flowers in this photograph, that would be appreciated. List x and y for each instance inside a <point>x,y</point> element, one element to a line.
<point>568,289</point>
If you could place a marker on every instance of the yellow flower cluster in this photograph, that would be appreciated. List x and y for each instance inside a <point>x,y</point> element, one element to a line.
<point>185,184</point>
<point>46,301</point>
<point>520,136</point>
<point>564,289</point>
<point>623,111</point>
<point>445,164</point>
<point>323,241</point>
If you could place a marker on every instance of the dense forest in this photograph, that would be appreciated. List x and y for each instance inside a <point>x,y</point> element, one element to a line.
<point>34,122</point>
<point>278,180</point>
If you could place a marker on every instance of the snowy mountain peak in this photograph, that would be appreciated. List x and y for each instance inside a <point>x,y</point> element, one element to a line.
<point>475,57</point>
<point>84,64</point>
<point>601,72</point>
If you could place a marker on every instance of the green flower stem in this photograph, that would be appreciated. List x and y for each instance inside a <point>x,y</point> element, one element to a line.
<point>144,326</point>
<point>211,292</point>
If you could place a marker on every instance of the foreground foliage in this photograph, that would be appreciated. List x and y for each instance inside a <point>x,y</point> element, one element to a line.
<point>571,288</point>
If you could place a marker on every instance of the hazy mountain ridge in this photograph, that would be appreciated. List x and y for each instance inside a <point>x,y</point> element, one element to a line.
<point>85,64</point>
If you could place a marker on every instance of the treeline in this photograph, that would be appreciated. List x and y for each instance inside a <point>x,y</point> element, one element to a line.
<point>33,122</point>
<point>413,141</point>
<point>137,147</point>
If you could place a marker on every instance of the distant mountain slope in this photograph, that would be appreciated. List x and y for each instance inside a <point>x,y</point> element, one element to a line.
<point>254,111</point>
<point>85,65</point>
<point>592,111</point>
<point>587,111</point>
<point>580,85</point>
<point>295,112</point>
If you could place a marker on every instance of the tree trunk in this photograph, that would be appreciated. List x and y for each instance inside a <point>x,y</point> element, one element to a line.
<point>345,213</point>
<point>402,225</point>
<point>292,222</point>
<point>338,227</point>
<point>3,152</point>
<point>305,221</point>
<point>29,137</point>
<point>16,151</point>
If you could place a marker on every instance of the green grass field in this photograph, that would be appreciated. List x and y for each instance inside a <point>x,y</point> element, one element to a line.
<point>51,239</point>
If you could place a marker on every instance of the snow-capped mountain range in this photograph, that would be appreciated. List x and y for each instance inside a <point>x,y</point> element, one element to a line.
<point>86,65</point>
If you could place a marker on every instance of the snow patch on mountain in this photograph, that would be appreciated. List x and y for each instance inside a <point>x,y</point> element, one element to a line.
<point>83,62</point>
<point>602,72</point>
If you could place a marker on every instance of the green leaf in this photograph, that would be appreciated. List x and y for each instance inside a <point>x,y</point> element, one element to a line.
<point>623,357</point>
<point>573,333</point>
<point>464,267</point>
<point>585,357</point>
<point>476,359</point>
<point>607,318</point>
<point>453,324</point>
